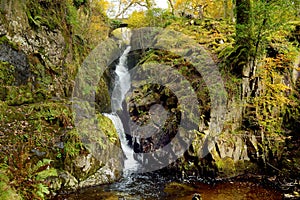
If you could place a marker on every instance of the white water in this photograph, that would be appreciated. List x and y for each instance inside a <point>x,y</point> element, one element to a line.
<point>122,83</point>
<point>122,86</point>
<point>130,164</point>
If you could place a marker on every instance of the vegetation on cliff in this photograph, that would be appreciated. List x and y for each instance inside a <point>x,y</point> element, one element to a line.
<point>258,54</point>
<point>43,44</point>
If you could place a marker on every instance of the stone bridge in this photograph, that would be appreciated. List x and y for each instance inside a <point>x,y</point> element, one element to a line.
<point>118,23</point>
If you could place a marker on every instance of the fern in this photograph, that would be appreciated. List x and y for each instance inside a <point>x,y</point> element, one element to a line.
<point>45,174</point>
<point>42,190</point>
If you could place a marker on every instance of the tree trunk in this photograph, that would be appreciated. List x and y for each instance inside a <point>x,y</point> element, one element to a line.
<point>245,67</point>
<point>243,25</point>
<point>172,6</point>
<point>244,39</point>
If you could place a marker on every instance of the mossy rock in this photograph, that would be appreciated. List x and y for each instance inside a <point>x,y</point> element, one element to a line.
<point>5,40</point>
<point>7,73</point>
<point>226,167</point>
<point>108,129</point>
<point>102,97</point>
<point>90,148</point>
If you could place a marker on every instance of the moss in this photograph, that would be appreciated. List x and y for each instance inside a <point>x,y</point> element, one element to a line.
<point>18,95</point>
<point>3,39</point>
<point>30,121</point>
<point>44,13</point>
<point>102,97</point>
<point>95,140</point>
<point>226,166</point>
<point>7,72</point>
<point>52,112</point>
<point>6,192</point>
<point>107,127</point>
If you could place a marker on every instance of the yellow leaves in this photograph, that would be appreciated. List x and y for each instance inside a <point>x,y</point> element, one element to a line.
<point>100,6</point>
<point>137,19</point>
<point>95,28</point>
<point>274,90</point>
<point>210,8</point>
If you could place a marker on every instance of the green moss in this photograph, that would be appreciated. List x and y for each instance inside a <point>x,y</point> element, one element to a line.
<point>52,112</point>
<point>18,95</point>
<point>226,166</point>
<point>108,128</point>
<point>7,72</point>
<point>44,13</point>
<point>6,192</point>
<point>73,144</point>
<point>102,97</point>
<point>4,39</point>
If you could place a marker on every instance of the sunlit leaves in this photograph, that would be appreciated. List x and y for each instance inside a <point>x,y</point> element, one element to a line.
<point>273,99</point>
<point>205,8</point>
<point>270,20</point>
<point>122,8</point>
<point>137,19</point>
<point>96,26</point>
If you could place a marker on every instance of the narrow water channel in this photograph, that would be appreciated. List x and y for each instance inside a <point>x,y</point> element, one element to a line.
<point>154,185</point>
<point>121,87</point>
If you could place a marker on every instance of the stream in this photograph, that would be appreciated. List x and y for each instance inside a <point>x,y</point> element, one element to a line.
<point>157,185</point>
<point>154,186</point>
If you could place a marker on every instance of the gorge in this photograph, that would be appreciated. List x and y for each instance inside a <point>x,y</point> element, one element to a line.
<point>181,105</point>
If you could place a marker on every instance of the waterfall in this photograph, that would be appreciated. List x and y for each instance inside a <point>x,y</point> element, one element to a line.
<point>122,86</point>
<point>130,164</point>
<point>122,83</point>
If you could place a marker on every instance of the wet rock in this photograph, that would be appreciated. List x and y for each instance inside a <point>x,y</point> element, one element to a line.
<point>84,162</point>
<point>293,196</point>
<point>68,181</point>
<point>19,60</point>
<point>197,196</point>
<point>105,175</point>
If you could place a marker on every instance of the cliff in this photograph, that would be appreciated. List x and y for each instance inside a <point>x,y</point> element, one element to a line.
<point>42,46</point>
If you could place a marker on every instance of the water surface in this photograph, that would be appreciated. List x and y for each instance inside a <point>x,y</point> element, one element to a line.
<point>154,186</point>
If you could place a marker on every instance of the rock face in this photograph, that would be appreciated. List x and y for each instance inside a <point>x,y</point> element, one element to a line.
<point>41,49</point>
<point>18,60</point>
<point>223,144</point>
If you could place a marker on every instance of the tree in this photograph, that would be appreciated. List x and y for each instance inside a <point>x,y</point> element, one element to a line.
<point>243,29</point>
<point>125,5</point>
<point>257,23</point>
<point>261,25</point>
<point>204,8</point>
<point>96,25</point>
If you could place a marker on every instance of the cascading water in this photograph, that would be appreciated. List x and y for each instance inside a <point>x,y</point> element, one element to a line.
<point>122,86</point>
<point>122,83</point>
<point>152,185</point>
